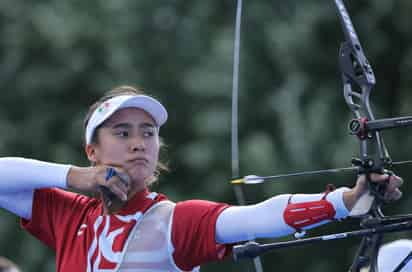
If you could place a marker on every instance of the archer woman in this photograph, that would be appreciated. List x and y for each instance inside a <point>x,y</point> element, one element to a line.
<point>126,227</point>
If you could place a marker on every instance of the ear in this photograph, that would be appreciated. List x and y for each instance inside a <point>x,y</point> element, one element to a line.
<point>91,152</point>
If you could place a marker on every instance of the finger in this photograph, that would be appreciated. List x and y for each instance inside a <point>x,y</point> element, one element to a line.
<point>392,196</point>
<point>108,196</point>
<point>122,174</point>
<point>104,174</point>
<point>398,195</point>
<point>379,178</point>
<point>393,184</point>
<point>396,181</point>
<point>120,184</point>
<point>122,189</point>
<point>117,167</point>
<point>113,179</point>
<point>117,190</point>
<point>117,182</point>
<point>124,178</point>
<point>110,173</point>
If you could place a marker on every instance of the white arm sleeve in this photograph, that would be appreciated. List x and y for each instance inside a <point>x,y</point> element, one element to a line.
<point>20,203</point>
<point>19,177</point>
<point>265,219</point>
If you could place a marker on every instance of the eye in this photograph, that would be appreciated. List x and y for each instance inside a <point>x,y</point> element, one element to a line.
<point>148,132</point>
<point>122,133</point>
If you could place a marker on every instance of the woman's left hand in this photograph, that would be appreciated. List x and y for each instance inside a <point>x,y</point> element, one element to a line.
<point>391,186</point>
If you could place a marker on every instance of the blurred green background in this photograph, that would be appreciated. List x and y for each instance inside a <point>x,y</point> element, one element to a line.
<point>57,57</point>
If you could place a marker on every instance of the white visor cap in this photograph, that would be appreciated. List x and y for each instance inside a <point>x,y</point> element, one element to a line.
<point>392,254</point>
<point>150,105</point>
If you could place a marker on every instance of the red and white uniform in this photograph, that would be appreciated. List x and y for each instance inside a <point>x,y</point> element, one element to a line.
<point>148,234</point>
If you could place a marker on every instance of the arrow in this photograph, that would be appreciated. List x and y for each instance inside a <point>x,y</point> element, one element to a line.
<point>254,179</point>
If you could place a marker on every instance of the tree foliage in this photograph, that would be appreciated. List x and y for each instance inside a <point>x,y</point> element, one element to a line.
<point>57,57</point>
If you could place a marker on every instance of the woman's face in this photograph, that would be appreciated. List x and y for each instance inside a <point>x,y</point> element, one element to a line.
<point>128,139</point>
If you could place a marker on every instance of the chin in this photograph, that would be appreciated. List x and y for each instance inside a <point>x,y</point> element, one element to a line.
<point>139,178</point>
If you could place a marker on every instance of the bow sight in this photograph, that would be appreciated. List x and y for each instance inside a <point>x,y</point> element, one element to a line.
<point>358,81</point>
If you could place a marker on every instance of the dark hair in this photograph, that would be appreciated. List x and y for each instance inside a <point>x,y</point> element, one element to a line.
<point>8,266</point>
<point>117,91</point>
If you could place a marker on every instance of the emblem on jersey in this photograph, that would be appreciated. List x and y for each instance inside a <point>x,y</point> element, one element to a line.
<point>109,236</point>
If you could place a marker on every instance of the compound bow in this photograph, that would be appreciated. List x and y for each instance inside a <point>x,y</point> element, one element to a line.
<point>358,81</point>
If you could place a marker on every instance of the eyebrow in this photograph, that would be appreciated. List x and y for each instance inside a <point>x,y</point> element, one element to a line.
<point>128,125</point>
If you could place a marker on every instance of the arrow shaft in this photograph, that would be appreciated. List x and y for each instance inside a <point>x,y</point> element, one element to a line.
<point>260,179</point>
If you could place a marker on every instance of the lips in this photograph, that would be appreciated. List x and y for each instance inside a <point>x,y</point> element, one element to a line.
<point>138,161</point>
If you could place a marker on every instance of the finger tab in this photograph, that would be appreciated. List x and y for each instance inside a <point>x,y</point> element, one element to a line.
<point>110,172</point>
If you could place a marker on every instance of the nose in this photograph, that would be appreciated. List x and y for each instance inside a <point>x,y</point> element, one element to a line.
<point>137,144</point>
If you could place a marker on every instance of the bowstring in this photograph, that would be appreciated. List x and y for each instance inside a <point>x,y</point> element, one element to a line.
<point>235,133</point>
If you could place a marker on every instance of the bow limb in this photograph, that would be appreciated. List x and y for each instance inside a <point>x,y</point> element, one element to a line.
<point>358,81</point>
